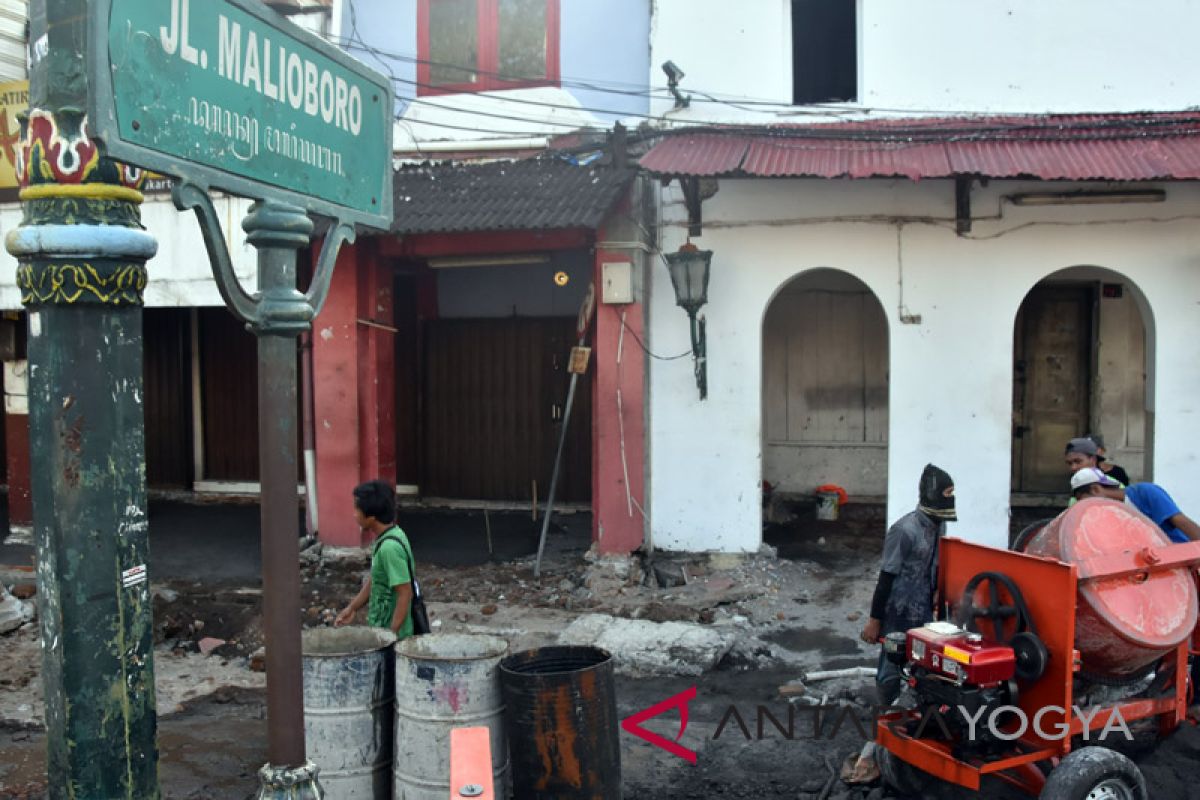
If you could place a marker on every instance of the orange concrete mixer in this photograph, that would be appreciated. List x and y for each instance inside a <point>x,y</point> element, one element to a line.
<point>1043,652</point>
<point>1125,623</point>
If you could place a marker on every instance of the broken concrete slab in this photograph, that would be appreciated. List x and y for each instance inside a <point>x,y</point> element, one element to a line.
<point>208,644</point>
<point>643,648</point>
<point>618,570</point>
<point>13,612</point>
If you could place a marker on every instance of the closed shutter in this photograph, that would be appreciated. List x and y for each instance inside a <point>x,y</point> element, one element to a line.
<point>13,14</point>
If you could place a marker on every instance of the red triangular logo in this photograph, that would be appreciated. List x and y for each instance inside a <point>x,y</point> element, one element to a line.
<point>633,724</point>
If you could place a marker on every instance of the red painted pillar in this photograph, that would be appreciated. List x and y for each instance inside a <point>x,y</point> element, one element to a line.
<point>16,443</point>
<point>353,390</point>
<point>377,360</point>
<point>619,433</point>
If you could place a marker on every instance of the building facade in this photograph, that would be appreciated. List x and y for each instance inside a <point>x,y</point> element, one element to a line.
<point>895,289</point>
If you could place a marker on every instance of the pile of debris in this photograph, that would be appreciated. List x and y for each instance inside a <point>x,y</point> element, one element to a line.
<point>15,611</point>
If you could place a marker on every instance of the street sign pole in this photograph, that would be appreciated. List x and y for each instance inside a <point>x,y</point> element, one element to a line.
<point>278,230</point>
<point>276,314</point>
<point>81,269</point>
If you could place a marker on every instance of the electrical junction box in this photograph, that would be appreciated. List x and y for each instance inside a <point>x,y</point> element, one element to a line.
<point>617,277</point>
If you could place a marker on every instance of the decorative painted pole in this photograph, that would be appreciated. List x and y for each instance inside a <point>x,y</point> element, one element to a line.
<point>82,256</point>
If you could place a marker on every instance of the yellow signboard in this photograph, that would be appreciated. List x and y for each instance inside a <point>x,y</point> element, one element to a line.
<point>14,98</point>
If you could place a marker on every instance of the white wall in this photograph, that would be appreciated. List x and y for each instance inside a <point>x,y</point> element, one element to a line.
<point>180,274</point>
<point>951,374</point>
<point>1029,55</point>
<point>739,49</point>
<point>1016,56</point>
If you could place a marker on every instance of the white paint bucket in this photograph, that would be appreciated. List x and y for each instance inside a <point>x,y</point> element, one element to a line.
<point>827,505</point>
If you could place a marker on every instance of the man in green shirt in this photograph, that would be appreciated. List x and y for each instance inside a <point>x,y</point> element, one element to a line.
<point>388,591</point>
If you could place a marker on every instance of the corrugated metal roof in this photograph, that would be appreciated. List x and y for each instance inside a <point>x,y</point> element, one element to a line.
<point>533,194</point>
<point>1125,147</point>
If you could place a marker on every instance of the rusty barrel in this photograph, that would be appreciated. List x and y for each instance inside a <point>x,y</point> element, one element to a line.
<point>349,682</point>
<point>561,717</point>
<point>1123,624</point>
<point>445,681</point>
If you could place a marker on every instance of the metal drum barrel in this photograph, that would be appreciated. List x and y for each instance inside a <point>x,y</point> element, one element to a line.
<point>1123,624</point>
<point>445,681</point>
<point>561,713</point>
<point>349,680</point>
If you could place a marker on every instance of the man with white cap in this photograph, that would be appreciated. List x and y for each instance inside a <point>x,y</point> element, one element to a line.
<point>1148,498</point>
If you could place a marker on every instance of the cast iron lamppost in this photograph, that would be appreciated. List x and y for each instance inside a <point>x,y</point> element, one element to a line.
<point>689,276</point>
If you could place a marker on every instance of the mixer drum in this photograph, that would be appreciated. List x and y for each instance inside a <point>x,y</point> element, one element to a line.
<point>1122,624</point>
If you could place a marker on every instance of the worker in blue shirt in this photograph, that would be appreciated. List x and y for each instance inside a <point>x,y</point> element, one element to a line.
<point>1148,498</point>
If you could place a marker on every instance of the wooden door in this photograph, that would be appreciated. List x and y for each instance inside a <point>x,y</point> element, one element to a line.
<point>493,399</point>
<point>1051,379</point>
<point>229,392</point>
<point>167,383</point>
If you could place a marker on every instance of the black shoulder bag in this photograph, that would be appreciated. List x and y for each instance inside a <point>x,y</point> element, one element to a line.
<point>416,609</point>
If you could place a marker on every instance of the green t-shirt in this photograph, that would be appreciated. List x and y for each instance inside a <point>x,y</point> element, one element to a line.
<point>389,569</point>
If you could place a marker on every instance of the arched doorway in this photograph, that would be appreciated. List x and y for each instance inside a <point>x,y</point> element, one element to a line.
<point>1082,345</point>
<point>825,387</point>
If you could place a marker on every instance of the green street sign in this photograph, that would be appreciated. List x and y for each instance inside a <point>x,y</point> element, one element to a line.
<point>229,95</point>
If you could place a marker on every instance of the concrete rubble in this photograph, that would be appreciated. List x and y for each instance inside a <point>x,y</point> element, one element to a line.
<point>14,612</point>
<point>640,648</point>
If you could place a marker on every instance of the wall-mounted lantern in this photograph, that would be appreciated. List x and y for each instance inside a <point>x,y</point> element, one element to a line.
<point>689,275</point>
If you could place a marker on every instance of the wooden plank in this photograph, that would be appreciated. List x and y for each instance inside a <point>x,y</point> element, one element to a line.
<point>775,372</point>
<point>825,365</point>
<point>229,374</point>
<point>1058,345</point>
<point>167,394</point>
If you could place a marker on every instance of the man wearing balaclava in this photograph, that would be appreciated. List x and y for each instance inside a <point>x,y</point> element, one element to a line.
<point>904,594</point>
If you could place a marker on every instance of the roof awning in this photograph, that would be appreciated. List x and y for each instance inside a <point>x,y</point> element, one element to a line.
<point>1113,147</point>
<point>547,193</point>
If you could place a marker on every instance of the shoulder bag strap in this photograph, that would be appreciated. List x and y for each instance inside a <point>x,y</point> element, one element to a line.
<point>412,567</point>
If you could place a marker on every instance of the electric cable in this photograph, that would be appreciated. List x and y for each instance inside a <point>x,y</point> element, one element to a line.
<point>893,133</point>
<point>612,87</point>
<point>647,350</point>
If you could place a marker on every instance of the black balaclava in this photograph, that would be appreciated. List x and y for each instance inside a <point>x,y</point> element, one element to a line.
<point>933,501</point>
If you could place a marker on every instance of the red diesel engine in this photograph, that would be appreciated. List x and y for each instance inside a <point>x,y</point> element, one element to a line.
<point>958,674</point>
<point>945,650</point>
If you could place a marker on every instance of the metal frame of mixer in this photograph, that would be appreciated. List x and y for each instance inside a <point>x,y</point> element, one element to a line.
<point>1049,588</point>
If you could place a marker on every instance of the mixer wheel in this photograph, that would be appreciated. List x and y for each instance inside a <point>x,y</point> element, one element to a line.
<point>899,774</point>
<point>1032,655</point>
<point>1095,773</point>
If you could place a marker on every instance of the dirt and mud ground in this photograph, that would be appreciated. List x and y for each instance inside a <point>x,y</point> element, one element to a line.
<point>792,614</point>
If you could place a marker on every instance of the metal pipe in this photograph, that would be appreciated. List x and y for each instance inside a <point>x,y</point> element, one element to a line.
<point>280,548</point>
<point>562,440</point>
<point>277,476</point>
<point>310,447</point>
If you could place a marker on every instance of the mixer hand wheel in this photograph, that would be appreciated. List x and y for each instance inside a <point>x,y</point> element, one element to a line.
<point>995,610</point>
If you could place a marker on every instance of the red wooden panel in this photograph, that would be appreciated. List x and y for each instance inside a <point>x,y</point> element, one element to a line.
<point>229,389</point>
<point>491,388</point>
<point>167,393</point>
